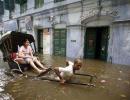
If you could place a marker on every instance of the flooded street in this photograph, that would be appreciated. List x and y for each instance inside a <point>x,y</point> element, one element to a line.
<point>4,79</point>
<point>113,83</point>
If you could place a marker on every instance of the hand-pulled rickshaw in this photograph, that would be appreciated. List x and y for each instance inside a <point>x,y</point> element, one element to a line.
<point>9,45</point>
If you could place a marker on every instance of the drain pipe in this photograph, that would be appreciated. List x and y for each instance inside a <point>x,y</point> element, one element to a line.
<point>82,9</point>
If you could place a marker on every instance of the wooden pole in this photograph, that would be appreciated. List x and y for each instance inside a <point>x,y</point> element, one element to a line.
<point>91,76</point>
<point>75,83</point>
<point>85,75</point>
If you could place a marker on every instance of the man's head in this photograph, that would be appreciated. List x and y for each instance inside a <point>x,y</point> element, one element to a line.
<point>77,64</point>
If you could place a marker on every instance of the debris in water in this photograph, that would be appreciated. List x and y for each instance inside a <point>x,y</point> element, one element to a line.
<point>1,90</point>
<point>103,87</point>
<point>119,79</point>
<point>103,81</point>
<point>123,96</point>
<point>104,76</point>
<point>127,82</point>
<point>120,71</point>
<point>14,91</point>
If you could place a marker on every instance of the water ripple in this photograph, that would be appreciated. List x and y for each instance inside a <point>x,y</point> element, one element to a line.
<point>4,79</point>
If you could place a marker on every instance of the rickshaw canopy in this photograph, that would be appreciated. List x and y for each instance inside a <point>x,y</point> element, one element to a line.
<point>16,37</point>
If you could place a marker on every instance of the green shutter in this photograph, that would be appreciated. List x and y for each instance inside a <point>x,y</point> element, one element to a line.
<point>58,1</point>
<point>20,1</point>
<point>1,8</point>
<point>17,1</point>
<point>36,3</point>
<point>23,1</point>
<point>23,6</point>
<point>39,3</point>
<point>9,4</point>
<point>6,4</point>
<point>59,42</point>
<point>12,5</point>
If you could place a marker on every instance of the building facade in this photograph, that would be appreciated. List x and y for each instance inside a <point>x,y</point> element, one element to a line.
<point>96,29</point>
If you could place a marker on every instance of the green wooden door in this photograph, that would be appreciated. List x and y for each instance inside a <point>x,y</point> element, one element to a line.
<point>104,44</point>
<point>90,43</point>
<point>59,42</point>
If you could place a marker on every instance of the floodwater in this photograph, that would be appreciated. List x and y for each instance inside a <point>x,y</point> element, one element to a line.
<point>4,79</point>
<point>113,83</point>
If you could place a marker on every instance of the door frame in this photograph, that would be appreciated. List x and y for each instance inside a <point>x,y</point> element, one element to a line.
<point>39,41</point>
<point>65,38</point>
<point>85,40</point>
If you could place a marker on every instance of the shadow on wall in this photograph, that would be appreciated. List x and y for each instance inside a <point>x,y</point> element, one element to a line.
<point>1,55</point>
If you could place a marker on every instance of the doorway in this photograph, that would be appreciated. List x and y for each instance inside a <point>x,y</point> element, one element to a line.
<point>96,43</point>
<point>40,40</point>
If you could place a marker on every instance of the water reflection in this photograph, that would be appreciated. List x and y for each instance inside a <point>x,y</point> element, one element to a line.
<point>113,83</point>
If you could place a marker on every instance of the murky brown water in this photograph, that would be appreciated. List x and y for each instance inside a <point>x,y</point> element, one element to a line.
<point>4,79</point>
<point>113,83</point>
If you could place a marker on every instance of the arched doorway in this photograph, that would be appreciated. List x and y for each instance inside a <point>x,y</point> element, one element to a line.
<point>96,38</point>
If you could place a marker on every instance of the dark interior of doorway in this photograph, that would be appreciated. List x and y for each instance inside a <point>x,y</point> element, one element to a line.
<point>40,40</point>
<point>100,45</point>
<point>98,42</point>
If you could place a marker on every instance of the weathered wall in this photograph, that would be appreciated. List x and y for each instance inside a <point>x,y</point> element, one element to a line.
<point>16,11</point>
<point>6,15</point>
<point>74,42</point>
<point>30,6</point>
<point>92,13</point>
<point>47,41</point>
<point>74,32</point>
<point>42,22</point>
<point>119,50</point>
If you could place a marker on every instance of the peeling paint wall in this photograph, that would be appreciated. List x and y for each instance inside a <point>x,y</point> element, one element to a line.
<point>120,43</point>
<point>74,42</point>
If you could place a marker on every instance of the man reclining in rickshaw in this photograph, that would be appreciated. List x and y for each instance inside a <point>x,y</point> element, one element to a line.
<point>25,56</point>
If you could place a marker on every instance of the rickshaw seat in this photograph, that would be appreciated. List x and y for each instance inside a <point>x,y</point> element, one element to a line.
<point>9,43</point>
<point>14,64</point>
<point>13,55</point>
